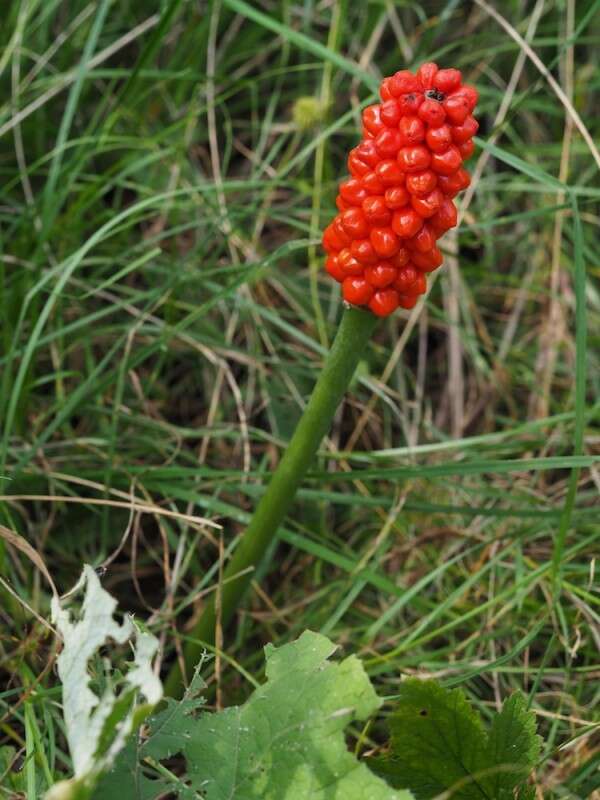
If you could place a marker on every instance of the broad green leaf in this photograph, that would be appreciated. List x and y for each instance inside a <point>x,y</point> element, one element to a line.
<point>287,741</point>
<point>437,742</point>
<point>98,725</point>
<point>513,747</point>
<point>168,732</point>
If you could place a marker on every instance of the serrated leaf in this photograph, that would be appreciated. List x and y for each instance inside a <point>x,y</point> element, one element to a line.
<point>287,741</point>
<point>513,747</point>
<point>98,725</point>
<point>438,744</point>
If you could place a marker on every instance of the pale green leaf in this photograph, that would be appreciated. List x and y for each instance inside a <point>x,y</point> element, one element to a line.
<point>287,741</point>
<point>98,725</point>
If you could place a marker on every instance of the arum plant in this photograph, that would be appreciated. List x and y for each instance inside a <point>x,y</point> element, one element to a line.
<point>380,247</point>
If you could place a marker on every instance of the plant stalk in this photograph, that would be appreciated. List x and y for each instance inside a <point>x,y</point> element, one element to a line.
<point>353,333</point>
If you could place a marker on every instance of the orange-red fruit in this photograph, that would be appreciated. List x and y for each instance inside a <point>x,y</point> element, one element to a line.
<point>462,133</point>
<point>353,192</point>
<point>457,108</point>
<point>439,139</point>
<point>426,74</point>
<point>446,80</point>
<point>405,279</point>
<point>334,269</point>
<point>447,162</point>
<point>355,223</point>
<point>381,275</point>
<point>411,130</point>
<point>414,158</point>
<point>371,118</point>
<point>428,261</point>
<point>388,142</point>
<point>363,251</point>
<point>423,241</point>
<point>385,242</point>
<point>421,183</point>
<point>390,113</point>
<point>398,199</point>
<point>357,291</point>
<point>406,222</point>
<point>432,113</point>
<point>349,264</point>
<point>403,82</point>
<point>384,302</point>
<point>376,210</point>
<point>428,205</point>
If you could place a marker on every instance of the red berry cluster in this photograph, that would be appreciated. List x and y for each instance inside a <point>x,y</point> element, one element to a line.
<point>398,200</point>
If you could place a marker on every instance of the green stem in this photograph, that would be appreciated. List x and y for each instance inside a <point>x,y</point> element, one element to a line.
<point>339,367</point>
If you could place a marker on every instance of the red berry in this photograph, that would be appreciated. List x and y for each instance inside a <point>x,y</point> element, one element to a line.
<point>462,133</point>
<point>410,103</point>
<point>396,197</point>
<point>367,152</point>
<point>445,218</point>
<point>390,113</point>
<point>426,74</point>
<point>385,242</point>
<point>341,204</point>
<point>406,277</point>
<point>384,90</point>
<point>414,158</point>
<point>357,291</point>
<point>371,118</point>
<point>412,130</point>
<point>432,112</point>
<point>446,80</point>
<point>381,275</point>
<point>355,223</point>
<point>439,139</point>
<point>348,264</point>
<point>388,142</point>
<point>372,184</point>
<point>428,205</point>
<point>389,172</point>
<point>334,269</point>
<point>408,300</point>
<point>384,302</point>
<point>470,94</point>
<point>363,251</point>
<point>331,241</point>
<point>353,192</point>
<point>423,241</point>
<point>403,82</point>
<point>467,149</point>
<point>451,185</point>
<point>356,166</point>
<point>406,223</point>
<point>421,183</point>
<point>419,286</point>
<point>341,231</point>
<point>401,258</point>
<point>457,108</point>
<point>376,211</point>
<point>448,162</point>
<point>428,261</point>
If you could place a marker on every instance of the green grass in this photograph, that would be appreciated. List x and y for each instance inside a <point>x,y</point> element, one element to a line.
<point>164,322</point>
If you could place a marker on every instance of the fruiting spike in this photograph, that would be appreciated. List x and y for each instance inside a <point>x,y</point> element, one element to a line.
<point>403,177</point>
